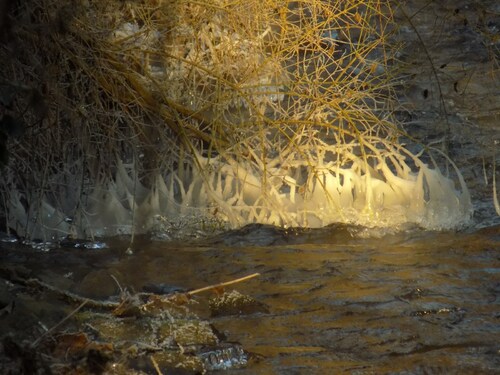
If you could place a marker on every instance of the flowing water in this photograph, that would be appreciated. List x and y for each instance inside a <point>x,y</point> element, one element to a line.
<point>415,302</point>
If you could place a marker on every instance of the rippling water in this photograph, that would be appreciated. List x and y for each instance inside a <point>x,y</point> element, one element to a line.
<point>421,303</point>
<point>414,302</point>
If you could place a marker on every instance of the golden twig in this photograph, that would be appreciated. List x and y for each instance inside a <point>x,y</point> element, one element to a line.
<point>222,285</point>
<point>155,365</point>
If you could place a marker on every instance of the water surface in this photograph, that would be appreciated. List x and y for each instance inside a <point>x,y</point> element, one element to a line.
<point>414,302</point>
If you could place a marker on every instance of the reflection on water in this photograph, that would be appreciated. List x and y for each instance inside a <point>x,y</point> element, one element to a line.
<point>414,302</point>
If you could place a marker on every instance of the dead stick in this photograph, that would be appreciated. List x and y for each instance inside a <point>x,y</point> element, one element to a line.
<point>37,341</point>
<point>72,296</point>
<point>222,285</point>
<point>111,304</point>
<point>155,364</point>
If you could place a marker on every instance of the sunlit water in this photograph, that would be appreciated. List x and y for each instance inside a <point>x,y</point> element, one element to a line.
<point>414,302</point>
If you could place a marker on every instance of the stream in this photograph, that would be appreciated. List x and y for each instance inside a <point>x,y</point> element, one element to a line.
<point>414,302</point>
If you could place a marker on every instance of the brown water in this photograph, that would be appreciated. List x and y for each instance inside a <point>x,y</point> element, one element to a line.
<point>414,302</point>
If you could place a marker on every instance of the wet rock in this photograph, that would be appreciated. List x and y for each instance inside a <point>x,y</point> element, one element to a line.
<point>98,284</point>
<point>253,235</point>
<point>235,303</point>
<point>194,332</point>
<point>224,357</point>
<point>162,289</point>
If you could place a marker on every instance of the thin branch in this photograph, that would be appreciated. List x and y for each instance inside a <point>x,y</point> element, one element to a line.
<point>72,297</point>
<point>155,365</point>
<point>222,285</point>
<point>51,330</point>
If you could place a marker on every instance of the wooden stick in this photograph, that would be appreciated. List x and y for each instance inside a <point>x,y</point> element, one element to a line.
<point>222,285</point>
<point>155,365</point>
<point>72,296</point>
<point>89,302</point>
<point>37,341</point>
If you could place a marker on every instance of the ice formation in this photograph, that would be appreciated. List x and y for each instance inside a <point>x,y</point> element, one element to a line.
<point>229,112</point>
<point>290,193</point>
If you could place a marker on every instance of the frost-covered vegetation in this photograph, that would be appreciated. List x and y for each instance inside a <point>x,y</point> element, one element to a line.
<point>145,113</point>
